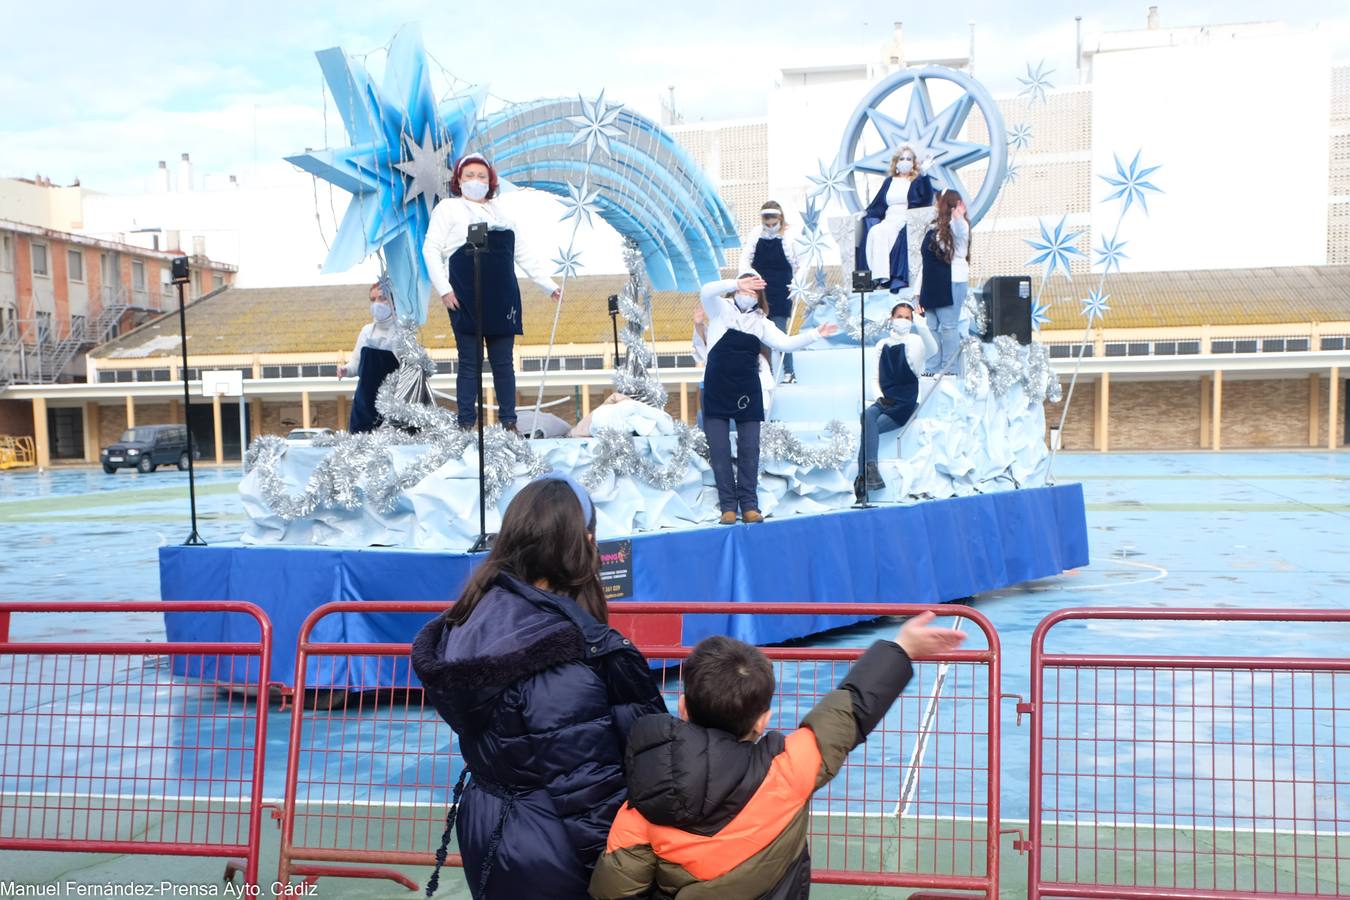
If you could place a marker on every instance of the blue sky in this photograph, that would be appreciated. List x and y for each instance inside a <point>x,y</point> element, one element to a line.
<point>102,91</point>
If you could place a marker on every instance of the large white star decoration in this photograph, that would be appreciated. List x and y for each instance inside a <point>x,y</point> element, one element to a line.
<point>813,245</point>
<point>1055,247</point>
<point>798,291</point>
<point>1111,252</point>
<point>1131,182</point>
<point>935,138</point>
<point>1040,315</point>
<point>596,124</point>
<point>1036,83</point>
<point>427,165</point>
<point>568,262</point>
<point>1020,136</point>
<point>580,202</point>
<point>1094,305</point>
<point>832,181</point>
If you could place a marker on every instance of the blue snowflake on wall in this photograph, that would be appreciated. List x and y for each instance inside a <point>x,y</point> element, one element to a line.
<point>1055,247</point>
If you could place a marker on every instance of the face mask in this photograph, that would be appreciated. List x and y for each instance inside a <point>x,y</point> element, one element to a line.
<point>746,302</point>
<point>772,229</point>
<point>381,312</point>
<point>904,166</point>
<point>901,327</point>
<point>474,190</point>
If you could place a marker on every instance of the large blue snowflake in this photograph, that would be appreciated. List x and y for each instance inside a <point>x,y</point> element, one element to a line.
<point>382,123</point>
<point>1131,182</point>
<point>1055,247</point>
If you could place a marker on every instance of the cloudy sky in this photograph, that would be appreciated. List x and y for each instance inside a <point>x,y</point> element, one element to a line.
<point>101,91</point>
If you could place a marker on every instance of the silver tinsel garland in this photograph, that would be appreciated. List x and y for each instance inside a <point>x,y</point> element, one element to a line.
<point>840,303</point>
<point>777,442</point>
<point>614,453</point>
<point>1013,364</point>
<point>635,379</point>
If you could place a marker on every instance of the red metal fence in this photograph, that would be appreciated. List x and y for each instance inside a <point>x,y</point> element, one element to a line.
<point>114,748</point>
<point>1218,776</point>
<point>370,768</point>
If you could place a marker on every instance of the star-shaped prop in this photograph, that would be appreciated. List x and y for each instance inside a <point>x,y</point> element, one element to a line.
<point>1020,136</point>
<point>1013,171</point>
<point>813,245</point>
<point>1110,253</point>
<point>1131,182</point>
<point>811,215</point>
<point>798,291</point>
<point>384,124</point>
<point>596,125</point>
<point>580,202</point>
<point>1094,306</point>
<point>831,183</point>
<point>935,138</point>
<point>428,167</point>
<point>1055,248</point>
<point>1040,315</point>
<point>1036,83</point>
<point>568,262</point>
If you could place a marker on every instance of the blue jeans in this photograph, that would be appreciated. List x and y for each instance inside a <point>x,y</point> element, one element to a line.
<point>737,485</point>
<point>948,320</point>
<point>499,347</point>
<point>876,422</point>
<point>782,322</point>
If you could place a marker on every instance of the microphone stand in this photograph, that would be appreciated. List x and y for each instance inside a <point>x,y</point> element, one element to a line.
<point>614,321</point>
<point>862,284</point>
<point>477,244</point>
<point>180,278</point>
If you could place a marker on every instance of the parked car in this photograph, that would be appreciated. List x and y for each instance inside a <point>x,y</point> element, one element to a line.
<point>304,437</point>
<point>146,447</point>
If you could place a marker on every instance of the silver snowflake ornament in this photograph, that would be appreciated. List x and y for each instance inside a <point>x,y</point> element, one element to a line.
<point>568,262</point>
<point>1094,306</point>
<point>1055,247</point>
<point>832,181</point>
<point>580,202</point>
<point>596,125</point>
<point>427,166</point>
<point>1131,182</point>
<point>1036,83</point>
<point>812,245</point>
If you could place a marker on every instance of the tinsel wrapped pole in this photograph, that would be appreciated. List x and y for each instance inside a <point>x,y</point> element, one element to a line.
<point>635,378</point>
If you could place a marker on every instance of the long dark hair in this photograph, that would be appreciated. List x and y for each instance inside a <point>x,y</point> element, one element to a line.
<point>946,243</point>
<point>544,537</point>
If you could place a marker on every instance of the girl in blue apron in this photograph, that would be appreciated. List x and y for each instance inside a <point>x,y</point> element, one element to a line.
<point>900,359</point>
<point>769,253</point>
<point>732,391</point>
<point>473,189</point>
<point>372,360</point>
<point>889,247</point>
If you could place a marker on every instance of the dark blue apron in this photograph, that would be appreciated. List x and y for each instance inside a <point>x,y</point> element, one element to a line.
<point>376,366</point>
<point>772,265</point>
<point>731,388</point>
<point>899,384</point>
<point>501,291</point>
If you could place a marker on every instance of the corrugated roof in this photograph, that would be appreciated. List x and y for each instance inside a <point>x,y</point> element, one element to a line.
<point>327,318</point>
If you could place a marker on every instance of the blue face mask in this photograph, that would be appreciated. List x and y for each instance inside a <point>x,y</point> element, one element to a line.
<point>381,312</point>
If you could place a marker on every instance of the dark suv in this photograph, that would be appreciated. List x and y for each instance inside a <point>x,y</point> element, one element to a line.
<point>146,447</point>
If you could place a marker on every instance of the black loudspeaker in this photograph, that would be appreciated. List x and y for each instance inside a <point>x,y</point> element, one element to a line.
<point>181,271</point>
<point>1007,301</point>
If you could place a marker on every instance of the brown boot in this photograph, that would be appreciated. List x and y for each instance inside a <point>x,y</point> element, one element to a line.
<point>728,518</point>
<point>752,516</point>
<point>510,428</point>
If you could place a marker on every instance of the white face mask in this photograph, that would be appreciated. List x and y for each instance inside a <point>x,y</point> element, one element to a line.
<point>746,302</point>
<point>474,190</point>
<point>772,229</point>
<point>381,312</point>
<point>901,327</point>
<point>904,166</point>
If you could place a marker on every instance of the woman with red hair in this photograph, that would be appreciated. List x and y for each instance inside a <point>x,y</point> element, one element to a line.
<point>473,192</point>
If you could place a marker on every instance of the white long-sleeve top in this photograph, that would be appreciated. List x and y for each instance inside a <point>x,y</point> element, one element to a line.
<point>449,230</point>
<point>700,343</point>
<point>379,335</point>
<point>723,316</point>
<point>960,250</point>
<point>751,243</point>
<point>920,345</point>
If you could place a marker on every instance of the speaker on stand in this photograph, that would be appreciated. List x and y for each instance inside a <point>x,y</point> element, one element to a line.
<point>1007,304</point>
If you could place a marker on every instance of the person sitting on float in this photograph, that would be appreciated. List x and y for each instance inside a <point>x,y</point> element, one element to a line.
<point>472,200</point>
<point>889,247</point>
<point>900,358</point>
<point>372,359</point>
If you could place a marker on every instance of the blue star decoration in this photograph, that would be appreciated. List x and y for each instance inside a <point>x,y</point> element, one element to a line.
<point>380,169</point>
<point>798,291</point>
<point>1036,83</point>
<point>1040,314</point>
<point>1131,182</point>
<point>568,262</point>
<point>813,245</point>
<point>1055,248</point>
<point>1020,136</point>
<point>596,125</point>
<point>831,183</point>
<point>1011,174</point>
<point>811,215</point>
<point>1094,306</point>
<point>580,202</point>
<point>934,137</point>
<point>1111,252</point>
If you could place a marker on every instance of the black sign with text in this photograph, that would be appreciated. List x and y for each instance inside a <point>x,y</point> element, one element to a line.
<point>616,569</point>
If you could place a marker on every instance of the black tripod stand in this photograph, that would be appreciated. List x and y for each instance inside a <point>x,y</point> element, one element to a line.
<point>862,285</point>
<point>614,321</point>
<point>181,276</point>
<point>477,244</point>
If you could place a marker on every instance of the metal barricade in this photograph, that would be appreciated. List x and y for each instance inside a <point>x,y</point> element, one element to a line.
<point>106,747</point>
<point>370,767</point>
<point>1198,777</point>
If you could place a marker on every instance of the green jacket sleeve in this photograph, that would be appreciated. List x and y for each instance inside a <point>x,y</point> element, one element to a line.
<point>625,872</point>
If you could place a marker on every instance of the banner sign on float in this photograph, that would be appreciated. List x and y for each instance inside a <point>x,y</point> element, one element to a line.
<point>616,569</point>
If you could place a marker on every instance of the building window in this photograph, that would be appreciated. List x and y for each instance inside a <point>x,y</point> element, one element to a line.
<point>445,367</point>
<point>1333,343</point>
<point>107,377</point>
<point>1272,345</point>
<point>39,259</point>
<point>1185,348</point>
<point>1165,348</point>
<point>217,282</point>
<point>6,253</point>
<point>137,275</point>
<point>1296,345</point>
<point>1116,348</point>
<point>1247,346</point>
<point>1221,347</point>
<point>1070,351</point>
<point>75,265</point>
<point>124,375</point>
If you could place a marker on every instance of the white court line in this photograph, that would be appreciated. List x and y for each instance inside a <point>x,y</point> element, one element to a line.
<point>1159,574</point>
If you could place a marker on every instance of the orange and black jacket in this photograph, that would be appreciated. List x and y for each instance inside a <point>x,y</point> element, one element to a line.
<point>709,816</point>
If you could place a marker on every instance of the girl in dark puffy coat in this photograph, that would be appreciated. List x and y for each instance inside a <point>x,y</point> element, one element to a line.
<point>541,693</point>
